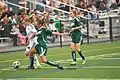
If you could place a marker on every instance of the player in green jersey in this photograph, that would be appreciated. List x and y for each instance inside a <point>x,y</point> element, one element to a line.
<point>42,47</point>
<point>76,36</point>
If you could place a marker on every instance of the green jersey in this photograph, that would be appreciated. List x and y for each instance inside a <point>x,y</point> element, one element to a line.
<point>42,37</point>
<point>76,35</point>
<point>75,22</point>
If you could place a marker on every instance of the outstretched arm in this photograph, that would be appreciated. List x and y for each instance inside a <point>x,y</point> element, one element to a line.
<point>80,27</point>
<point>57,33</point>
<point>62,34</point>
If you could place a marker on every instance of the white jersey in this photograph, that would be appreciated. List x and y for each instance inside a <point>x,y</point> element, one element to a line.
<point>30,29</point>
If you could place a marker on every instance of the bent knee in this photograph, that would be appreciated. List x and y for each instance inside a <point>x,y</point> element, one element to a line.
<point>31,54</point>
<point>43,59</point>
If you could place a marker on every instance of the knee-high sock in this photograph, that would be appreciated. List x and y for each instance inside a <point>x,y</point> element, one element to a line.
<point>74,55</point>
<point>36,61</point>
<point>31,61</point>
<point>51,63</point>
<point>81,54</point>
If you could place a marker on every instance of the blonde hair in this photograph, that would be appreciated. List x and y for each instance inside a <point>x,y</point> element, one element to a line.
<point>46,19</point>
<point>40,20</point>
<point>74,12</point>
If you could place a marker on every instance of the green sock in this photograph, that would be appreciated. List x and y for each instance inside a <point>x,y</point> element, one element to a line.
<point>73,55</point>
<point>81,54</point>
<point>51,63</point>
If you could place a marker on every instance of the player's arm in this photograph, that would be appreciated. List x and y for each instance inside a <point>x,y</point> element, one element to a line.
<point>49,32</point>
<point>61,34</point>
<point>57,33</point>
<point>80,27</point>
<point>33,35</point>
<point>77,25</point>
<point>29,37</point>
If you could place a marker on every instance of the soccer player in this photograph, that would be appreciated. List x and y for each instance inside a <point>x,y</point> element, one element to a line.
<point>76,37</point>
<point>31,30</point>
<point>42,47</point>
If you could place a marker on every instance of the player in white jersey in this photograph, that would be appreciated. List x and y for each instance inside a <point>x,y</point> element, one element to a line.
<point>32,41</point>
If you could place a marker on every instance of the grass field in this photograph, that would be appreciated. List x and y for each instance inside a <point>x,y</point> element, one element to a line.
<point>103,62</point>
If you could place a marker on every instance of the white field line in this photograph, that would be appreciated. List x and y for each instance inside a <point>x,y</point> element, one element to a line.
<point>118,67</point>
<point>92,57</point>
<point>50,67</point>
<point>62,79</point>
<point>101,67</point>
<point>63,54</point>
<point>104,59</point>
<point>66,61</point>
<point>89,58</point>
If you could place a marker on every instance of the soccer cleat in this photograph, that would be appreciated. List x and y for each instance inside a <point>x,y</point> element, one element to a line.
<point>59,66</point>
<point>73,63</point>
<point>37,65</point>
<point>30,67</point>
<point>83,61</point>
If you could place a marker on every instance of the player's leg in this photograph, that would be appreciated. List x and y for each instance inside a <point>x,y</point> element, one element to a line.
<point>80,52</point>
<point>31,57</point>
<point>79,38</point>
<point>72,46</point>
<point>44,60</point>
<point>36,62</point>
<point>42,51</point>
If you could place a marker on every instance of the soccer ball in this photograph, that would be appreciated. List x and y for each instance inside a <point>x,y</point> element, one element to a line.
<point>16,64</point>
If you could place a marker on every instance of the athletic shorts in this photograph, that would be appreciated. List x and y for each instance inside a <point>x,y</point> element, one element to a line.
<point>76,38</point>
<point>41,50</point>
<point>29,47</point>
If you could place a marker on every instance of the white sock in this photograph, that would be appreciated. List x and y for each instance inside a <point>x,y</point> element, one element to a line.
<point>36,60</point>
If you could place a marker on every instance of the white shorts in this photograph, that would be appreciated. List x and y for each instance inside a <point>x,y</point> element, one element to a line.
<point>29,47</point>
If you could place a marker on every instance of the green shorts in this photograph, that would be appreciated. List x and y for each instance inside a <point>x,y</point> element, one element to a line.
<point>41,50</point>
<point>76,37</point>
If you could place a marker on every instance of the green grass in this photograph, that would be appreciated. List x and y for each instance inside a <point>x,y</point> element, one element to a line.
<point>103,62</point>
